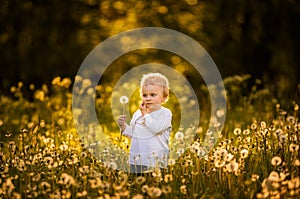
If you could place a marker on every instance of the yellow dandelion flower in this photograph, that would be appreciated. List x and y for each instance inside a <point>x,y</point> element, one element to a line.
<point>56,80</point>
<point>39,95</point>
<point>66,82</point>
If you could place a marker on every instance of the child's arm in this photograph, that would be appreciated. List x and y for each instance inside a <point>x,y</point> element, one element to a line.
<point>124,127</point>
<point>159,123</point>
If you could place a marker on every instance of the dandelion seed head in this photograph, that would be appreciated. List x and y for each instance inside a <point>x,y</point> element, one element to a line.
<point>124,99</point>
<point>294,148</point>
<point>276,160</point>
<point>179,136</point>
<point>244,153</point>
<point>237,131</point>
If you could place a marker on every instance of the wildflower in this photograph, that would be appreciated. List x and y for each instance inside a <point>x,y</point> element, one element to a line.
<point>296,107</point>
<point>179,136</point>
<point>246,131</point>
<point>278,132</point>
<point>254,177</point>
<point>156,173</point>
<point>66,179</point>
<point>22,165</point>
<point>237,131</point>
<point>39,95</point>
<point>220,113</point>
<point>229,157</point>
<point>180,151</point>
<point>86,83</point>
<point>297,163</point>
<point>95,183</point>
<point>263,194</point>
<point>219,163</point>
<point>8,186</point>
<point>1,122</point>
<point>254,126</point>
<point>140,180</point>
<point>124,99</point>
<point>66,82</point>
<point>263,125</point>
<point>168,178</point>
<point>195,147</point>
<point>171,161</point>
<point>294,148</point>
<point>84,169</point>
<point>63,147</point>
<point>48,160</point>
<point>45,187</point>
<point>294,183</point>
<point>90,91</point>
<point>282,139</point>
<point>56,80</point>
<point>183,189</point>
<point>145,188</point>
<point>81,194</point>
<point>167,189</point>
<point>244,153</point>
<point>232,166</point>
<point>154,192</point>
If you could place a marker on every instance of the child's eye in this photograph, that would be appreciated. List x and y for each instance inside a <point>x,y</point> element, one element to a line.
<point>152,95</point>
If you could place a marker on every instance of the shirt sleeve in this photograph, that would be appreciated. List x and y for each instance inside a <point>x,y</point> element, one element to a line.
<point>128,131</point>
<point>160,122</point>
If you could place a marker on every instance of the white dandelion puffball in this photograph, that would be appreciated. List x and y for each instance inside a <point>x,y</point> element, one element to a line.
<point>124,99</point>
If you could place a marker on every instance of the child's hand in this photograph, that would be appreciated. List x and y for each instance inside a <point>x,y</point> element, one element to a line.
<point>143,108</point>
<point>122,122</point>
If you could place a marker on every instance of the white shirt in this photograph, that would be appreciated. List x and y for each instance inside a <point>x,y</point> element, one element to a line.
<point>149,138</point>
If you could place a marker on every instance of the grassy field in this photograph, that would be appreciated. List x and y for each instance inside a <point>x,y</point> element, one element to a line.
<point>41,155</point>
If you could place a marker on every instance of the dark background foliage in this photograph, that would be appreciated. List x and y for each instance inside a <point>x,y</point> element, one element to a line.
<point>41,39</point>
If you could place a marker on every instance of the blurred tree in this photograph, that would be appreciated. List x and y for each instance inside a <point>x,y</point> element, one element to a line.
<point>40,39</point>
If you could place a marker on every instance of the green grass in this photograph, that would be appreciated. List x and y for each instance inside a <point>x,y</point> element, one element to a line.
<point>41,154</point>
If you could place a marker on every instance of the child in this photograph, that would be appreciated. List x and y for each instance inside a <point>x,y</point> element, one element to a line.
<point>150,126</point>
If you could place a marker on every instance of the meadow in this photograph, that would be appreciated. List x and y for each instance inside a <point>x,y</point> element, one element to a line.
<point>256,156</point>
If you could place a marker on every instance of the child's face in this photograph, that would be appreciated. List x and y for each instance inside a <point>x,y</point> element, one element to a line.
<point>152,95</point>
